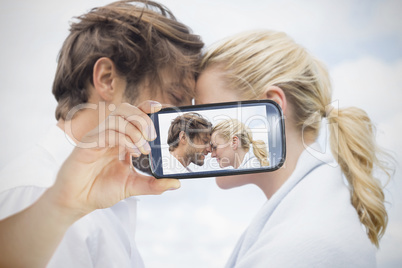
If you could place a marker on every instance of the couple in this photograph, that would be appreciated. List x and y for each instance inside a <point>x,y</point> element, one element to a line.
<point>66,199</point>
<point>191,137</point>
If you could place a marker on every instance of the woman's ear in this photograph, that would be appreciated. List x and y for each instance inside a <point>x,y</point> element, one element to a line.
<point>104,73</point>
<point>235,143</point>
<point>276,94</point>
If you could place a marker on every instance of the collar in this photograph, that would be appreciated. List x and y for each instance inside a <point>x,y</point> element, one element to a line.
<point>310,159</point>
<point>247,157</point>
<point>174,164</point>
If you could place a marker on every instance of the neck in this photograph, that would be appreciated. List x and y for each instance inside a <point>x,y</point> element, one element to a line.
<point>179,154</point>
<point>239,157</point>
<point>270,182</point>
<point>84,120</point>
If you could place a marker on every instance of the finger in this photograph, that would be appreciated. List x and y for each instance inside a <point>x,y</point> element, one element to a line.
<point>134,136</point>
<point>114,138</point>
<point>137,118</point>
<point>122,142</point>
<point>147,185</point>
<point>121,133</point>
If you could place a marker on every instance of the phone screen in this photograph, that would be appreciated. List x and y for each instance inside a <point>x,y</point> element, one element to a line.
<point>217,140</point>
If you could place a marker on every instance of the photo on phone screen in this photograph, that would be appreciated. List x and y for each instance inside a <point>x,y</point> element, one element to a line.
<point>217,139</point>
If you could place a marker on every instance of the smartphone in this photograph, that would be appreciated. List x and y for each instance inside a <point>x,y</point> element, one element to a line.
<point>218,139</point>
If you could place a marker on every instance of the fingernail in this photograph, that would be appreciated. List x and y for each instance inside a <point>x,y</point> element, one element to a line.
<point>135,154</point>
<point>155,105</point>
<point>146,147</point>
<point>171,189</point>
<point>155,102</point>
<point>153,135</point>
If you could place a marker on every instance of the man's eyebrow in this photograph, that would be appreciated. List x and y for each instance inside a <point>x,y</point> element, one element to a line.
<point>182,88</point>
<point>176,86</point>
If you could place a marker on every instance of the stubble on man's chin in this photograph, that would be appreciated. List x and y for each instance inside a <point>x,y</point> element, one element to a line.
<point>196,161</point>
<point>199,163</point>
<point>142,163</point>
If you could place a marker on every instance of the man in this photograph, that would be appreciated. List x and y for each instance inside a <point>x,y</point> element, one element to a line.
<point>188,138</point>
<point>122,52</point>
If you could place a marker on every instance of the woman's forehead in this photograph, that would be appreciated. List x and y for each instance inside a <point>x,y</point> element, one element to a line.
<point>217,136</point>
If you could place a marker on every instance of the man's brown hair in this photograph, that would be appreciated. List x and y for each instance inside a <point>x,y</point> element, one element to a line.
<point>142,38</point>
<point>193,124</point>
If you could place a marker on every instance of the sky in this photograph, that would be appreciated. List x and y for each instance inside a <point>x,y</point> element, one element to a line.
<point>199,224</point>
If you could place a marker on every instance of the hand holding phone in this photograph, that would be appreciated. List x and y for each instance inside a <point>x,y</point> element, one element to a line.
<point>217,140</point>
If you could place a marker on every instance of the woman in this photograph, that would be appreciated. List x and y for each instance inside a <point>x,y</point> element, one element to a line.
<point>230,145</point>
<point>312,218</point>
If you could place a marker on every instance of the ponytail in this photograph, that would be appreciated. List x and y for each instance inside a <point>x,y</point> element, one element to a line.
<point>353,144</point>
<point>260,151</point>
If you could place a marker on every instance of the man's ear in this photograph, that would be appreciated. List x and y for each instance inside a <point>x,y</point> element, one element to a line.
<point>276,94</point>
<point>182,137</point>
<point>104,72</point>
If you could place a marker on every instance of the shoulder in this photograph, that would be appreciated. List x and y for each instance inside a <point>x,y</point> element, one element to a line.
<point>290,246</point>
<point>320,203</point>
<point>103,238</point>
<point>315,223</point>
<point>24,180</point>
<point>172,166</point>
<point>250,161</point>
<point>17,199</point>
<point>36,167</point>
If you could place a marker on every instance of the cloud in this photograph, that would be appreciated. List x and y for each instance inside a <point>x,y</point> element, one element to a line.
<point>369,83</point>
<point>332,30</point>
<point>387,18</point>
<point>195,226</point>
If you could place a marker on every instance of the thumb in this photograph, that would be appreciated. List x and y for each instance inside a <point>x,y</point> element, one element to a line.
<point>148,185</point>
<point>162,185</point>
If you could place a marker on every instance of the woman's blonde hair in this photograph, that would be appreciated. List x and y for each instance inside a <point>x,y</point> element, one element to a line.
<point>255,60</point>
<point>233,127</point>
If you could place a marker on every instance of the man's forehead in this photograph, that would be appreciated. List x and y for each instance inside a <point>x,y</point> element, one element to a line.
<point>169,93</point>
<point>205,136</point>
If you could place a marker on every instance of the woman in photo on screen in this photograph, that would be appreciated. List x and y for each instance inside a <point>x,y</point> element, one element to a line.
<point>312,217</point>
<point>232,144</point>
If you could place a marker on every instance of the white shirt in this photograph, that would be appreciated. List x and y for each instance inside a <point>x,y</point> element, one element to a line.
<point>250,160</point>
<point>173,166</point>
<point>103,238</point>
<point>308,222</point>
